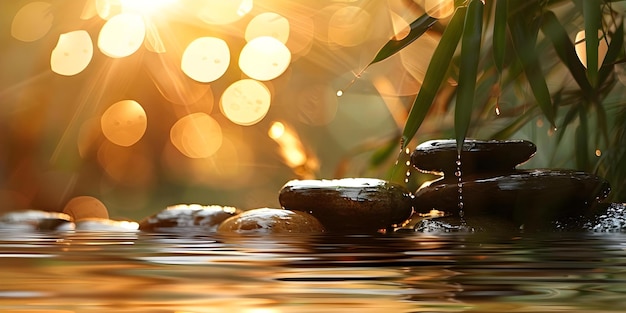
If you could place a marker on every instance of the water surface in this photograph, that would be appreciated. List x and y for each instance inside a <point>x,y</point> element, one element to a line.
<point>410,272</point>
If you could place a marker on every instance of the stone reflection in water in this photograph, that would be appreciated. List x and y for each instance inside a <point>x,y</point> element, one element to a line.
<point>494,188</point>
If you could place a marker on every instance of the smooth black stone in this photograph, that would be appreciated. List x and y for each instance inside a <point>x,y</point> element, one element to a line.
<point>188,216</point>
<point>350,204</point>
<point>271,221</point>
<point>533,197</point>
<point>440,156</point>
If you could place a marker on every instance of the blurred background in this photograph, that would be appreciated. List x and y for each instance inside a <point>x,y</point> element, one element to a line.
<point>149,103</point>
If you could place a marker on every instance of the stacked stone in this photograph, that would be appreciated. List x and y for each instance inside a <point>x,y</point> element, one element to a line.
<point>492,186</point>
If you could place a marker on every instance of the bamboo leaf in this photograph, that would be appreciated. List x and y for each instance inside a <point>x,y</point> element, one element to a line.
<point>499,34</point>
<point>435,75</point>
<point>470,52</point>
<point>581,145</point>
<point>566,52</point>
<point>593,16</point>
<point>380,155</point>
<point>616,46</point>
<point>567,120</point>
<point>524,39</point>
<point>418,28</point>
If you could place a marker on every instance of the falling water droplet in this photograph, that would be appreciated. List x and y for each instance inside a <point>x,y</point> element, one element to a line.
<point>497,109</point>
<point>598,152</point>
<point>408,163</point>
<point>459,174</point>
<point>339,93</point>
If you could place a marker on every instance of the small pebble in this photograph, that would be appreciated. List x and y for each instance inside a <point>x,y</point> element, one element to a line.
<point>271,221</point>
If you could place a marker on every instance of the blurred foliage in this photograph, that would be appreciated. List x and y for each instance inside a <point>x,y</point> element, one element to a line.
<point>516,63</point>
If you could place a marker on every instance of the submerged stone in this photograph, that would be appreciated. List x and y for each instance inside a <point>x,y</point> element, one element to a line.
<point>273,221</point>
<point>35,220</point>
<point>349,204</point>
<point>440,156</point>
<point>184,216</point>
<point>532,197</point>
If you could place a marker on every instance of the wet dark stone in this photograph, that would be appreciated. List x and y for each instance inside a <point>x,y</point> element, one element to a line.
<point>34,220</point>
<point>478,156</point>
<point>533,197</point>
<point>271,221</point>
<point>350,204</point>
<point>185,216</point>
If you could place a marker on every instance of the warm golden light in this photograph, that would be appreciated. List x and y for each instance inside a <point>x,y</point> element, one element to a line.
<point>144,6</point>
<point>264,58</point>
<point>122,35</point>
<point>581,48</point>
<point>291,148</point>
<point>245,102</point>
<point>32,21</point>
<point>124,123</point>
<point>72,53</point>
<point>206,59</point>
<point>276,130</point>
<point>439,8</point>
<point>317,104</point>
<point>83,207</point>
<point>268,24</point>
<point>220,12</point>
<point>196,135</point>
<point>346,26</point>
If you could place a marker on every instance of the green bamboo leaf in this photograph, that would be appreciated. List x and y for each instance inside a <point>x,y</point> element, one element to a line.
<point>435,75</point>
<point>593,16</point>
<point>524,39</point>
<point>470,52</point>
<point>567,120</point>
<point>581,144</point>
<point>499,34</point>
<point>616,46</point>
<point>380,155</point>
<point>418,28</point>
<point>566,52</point>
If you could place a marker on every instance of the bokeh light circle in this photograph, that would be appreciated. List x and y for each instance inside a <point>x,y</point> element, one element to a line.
<point>346,26</point>
<point>196,135</point>
<point>122,35</point>
<point>206,59</point>
<point>264,58</point>
<point>268,24</point>
<point>32,21</point>
<point>245,102</point>
<point>72,53</point>
<point>124,123</point>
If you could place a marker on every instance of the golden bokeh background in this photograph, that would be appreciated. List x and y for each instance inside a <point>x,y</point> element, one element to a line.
<point>148,103</point>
